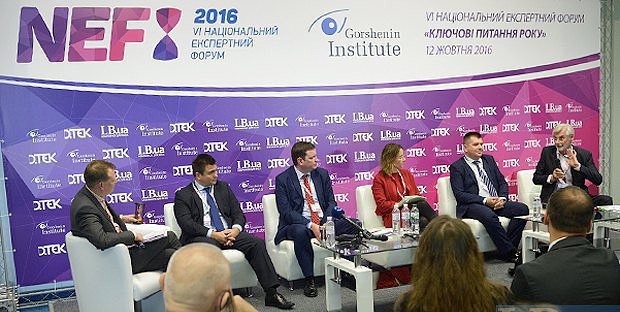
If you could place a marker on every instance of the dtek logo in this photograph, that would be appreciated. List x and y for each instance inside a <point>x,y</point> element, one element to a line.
<point>111,131</point>
<point>278,163</point>
<point>210,147</point>
<point>422,189</point>
<point>308,138</point>
<point>276,122</point>
<point>551,124</point>
<point>336,158</point>
<point>179,171</point>
<point>531,143</point>
<point>83,38</point>
<point>115,153</point>
<point>342,198</point>
<point>531,109</point>
<point>77,133</point>
<point>416,152</point>
<point>441,169</point>
<point>51,249</point>
<point>362,137</point>
<point>511,163</point>
<point>116,198</point>
<point>246,124</point>
<point>415,114</point>
<point>489,147</point>
<point>334,119</point>
<point>75,178</point>
<point>510,127</point>
<point>179,127</point>
<point>364,176</point>
<point>329,26</point>
<point>42,158</point>
<point>487,111</point>
<point>440,132</point>
<point>46,204</point>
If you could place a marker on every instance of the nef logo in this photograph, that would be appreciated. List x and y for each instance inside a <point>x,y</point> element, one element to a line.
<point>42,158</point>
<point>414,114</point>
<point>54,43</point>
<point>52,249</point>
<point>487,111</point>
<point>278,163</point>
<point>362,137</point>
<point>179,127</point>
<point>113,153</point>
<point>46,204</point>
<point>116,198</point>
<point>511,163</point>
<point>336,158</point>
<point>308,138</point>
<point>276,122</point>
<point>210,147</point>
<point>334,119</point>
<point>77,133</point>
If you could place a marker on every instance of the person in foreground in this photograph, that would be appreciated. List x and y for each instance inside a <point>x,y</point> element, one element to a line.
<point>481,192</point>
<point>305,199</point>
<point>448,273</point>
<point>93,218</point>
<point>573,271</point>
<point>393,183</point>
<point>208,212</point>
<point>198,280</point>
<point>564,164</point>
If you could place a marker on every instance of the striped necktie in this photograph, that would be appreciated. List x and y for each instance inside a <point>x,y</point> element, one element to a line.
<point>307,191</point>
<point>486,179</point>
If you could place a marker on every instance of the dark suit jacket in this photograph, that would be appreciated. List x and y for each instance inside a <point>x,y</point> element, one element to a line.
<point>189,211</point>
<point>549,161</point>
<point>572,272</point>
<point>290,198</point>
<point>89,220</point>
<point>465,186</point>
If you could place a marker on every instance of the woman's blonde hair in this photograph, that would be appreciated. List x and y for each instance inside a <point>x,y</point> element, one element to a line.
<point>389,156</point>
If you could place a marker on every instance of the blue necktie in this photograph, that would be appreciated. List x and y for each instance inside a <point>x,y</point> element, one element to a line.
<point>485,179</point>
<point>214,212</point>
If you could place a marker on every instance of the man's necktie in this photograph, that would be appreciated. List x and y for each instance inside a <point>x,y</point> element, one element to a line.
<point>486,179</point>
<point>308,192</point>
<point>214,212</point>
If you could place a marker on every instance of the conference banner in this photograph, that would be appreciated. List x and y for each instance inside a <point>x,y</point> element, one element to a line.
<point>148,85</point>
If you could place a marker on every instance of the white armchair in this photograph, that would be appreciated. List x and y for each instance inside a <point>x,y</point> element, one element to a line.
<point>526,188</point>
<point>103,280</point>
<point>243,276</point>
<point>447,206</point>
<point>283,254</point>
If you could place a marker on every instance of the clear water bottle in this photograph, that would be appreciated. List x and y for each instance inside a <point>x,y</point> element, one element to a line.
<point>537,207</point>
<point>330,233</point>
<point>405,217</point>
<point>415,219</point>
<point>396,219</point>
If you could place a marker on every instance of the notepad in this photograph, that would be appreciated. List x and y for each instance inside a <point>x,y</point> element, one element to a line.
<point>153,236</point>
<point>411,199</point>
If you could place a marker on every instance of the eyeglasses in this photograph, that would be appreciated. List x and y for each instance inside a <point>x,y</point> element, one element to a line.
<point>227,305</point>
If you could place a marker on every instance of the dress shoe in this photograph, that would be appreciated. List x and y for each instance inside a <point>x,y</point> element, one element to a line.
<point>518,260</point>
<point>277,300</point>
<point>310,289</point>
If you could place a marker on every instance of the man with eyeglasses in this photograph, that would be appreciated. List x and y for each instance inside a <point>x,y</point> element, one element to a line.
<point>563,164</point>
<point>198,279</point>
<point>208,211</point>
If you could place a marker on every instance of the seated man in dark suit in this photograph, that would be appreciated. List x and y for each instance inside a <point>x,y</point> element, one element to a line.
<point>305,199</point>
<point>208,211</point>
<point>563,164</point>
<point>481,192</point>
<point>93,218</point>
<point>573,271</point>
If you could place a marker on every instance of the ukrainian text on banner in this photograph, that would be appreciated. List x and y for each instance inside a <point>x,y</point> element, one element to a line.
<point>150,87</point>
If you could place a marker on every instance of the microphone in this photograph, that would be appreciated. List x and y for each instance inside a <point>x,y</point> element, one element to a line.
<point>338,213</point>
<point>141,245</point>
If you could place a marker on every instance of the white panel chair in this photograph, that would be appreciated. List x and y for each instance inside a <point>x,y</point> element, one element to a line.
<point>366,207</point>
<point>447,206</point>
<point>283,254</point>
<point>526,188</point>
<point>103,280</point>
<point>243,276</point>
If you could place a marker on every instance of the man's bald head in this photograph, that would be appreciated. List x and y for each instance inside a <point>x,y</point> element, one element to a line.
<point>197,275</point>
<point>570,210</point>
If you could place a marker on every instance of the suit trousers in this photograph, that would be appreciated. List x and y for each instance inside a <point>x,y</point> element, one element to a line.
<point>155,255</point>
<point>505,240</point>
<point>255,252</point>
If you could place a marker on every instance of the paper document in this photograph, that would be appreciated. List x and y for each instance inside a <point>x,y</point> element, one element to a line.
<point>411,199</point>
<point>153,236</point>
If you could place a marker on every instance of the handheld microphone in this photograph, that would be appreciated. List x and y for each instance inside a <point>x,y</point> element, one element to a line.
<point>141,245</point>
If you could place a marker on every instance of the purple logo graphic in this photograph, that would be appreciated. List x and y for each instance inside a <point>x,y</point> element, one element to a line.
<point>329,26</point>
<point>166,49</point>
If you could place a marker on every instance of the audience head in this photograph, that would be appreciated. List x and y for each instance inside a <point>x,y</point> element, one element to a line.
<point>448,255</point>
<point>392,158</point>
<point>570,210</point>
<point>304,156</point>
<point>197,279</point>
<point>563,135</point>
<point>100,177</point>
<point>472,145</point>
<point>205,169</point>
